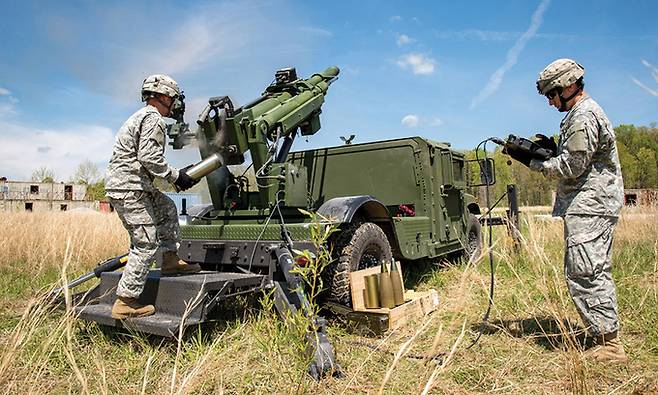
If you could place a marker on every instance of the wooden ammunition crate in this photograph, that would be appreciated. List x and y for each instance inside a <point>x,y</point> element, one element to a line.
<point>417,304</point>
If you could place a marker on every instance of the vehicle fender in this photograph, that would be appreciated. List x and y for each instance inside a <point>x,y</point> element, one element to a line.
<point>343,209</point>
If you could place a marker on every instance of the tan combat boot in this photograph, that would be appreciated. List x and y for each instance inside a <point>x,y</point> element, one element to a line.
<point>130,307</point>
<point>172,265</point>
<point>608,348</point>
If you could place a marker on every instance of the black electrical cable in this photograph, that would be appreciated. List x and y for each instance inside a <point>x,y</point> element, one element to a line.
<point>485,318</point>
<point>285,235</point>
<point>269,218</point>
<point>427,357</point>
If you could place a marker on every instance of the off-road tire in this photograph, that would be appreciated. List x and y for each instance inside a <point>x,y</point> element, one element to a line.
<point>473,244</point>
<point>357,246</point>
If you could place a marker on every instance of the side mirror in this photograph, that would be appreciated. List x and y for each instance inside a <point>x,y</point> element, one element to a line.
<point>487,169</point>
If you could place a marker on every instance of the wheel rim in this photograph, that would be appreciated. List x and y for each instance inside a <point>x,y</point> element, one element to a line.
<point>371,257</point>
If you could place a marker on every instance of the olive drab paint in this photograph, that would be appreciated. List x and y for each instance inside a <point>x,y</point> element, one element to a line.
<point>426,178</point>
<point>413,189</point>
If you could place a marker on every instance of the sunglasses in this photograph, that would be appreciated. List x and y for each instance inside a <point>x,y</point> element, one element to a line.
<point>553,92</point>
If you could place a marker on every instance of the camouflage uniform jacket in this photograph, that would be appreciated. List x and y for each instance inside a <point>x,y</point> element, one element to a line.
<point>138,153</point>
<point>587,164</point>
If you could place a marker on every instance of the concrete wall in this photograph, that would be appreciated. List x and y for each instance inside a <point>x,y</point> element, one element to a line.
<point>643,197</point>
<point>46,205</point>
<point>25,190</point>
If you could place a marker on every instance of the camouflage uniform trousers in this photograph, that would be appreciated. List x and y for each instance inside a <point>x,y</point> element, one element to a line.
<point>151,220</point>
<point>588,264</point>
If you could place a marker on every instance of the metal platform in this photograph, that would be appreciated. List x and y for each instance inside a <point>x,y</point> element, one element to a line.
<point>181,300</point>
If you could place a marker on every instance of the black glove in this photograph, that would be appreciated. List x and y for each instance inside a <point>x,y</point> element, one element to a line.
<point>517,154</point>
<point>546,143</point>
<point>184,181</point>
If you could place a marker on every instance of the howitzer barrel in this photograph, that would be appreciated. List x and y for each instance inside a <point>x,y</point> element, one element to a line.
<point>327,75</point>
<point>295,109</point>
<point>286,105</point>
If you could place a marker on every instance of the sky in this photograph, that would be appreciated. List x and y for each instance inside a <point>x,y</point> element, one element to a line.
<point>459,72</point>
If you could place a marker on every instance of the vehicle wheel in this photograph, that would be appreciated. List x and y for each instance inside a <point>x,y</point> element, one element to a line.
<point>357,246</point>
<point>473,240</point>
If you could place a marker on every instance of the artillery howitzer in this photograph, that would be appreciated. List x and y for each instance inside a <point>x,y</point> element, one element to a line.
<point>224,135</point>
<point>402,199</point>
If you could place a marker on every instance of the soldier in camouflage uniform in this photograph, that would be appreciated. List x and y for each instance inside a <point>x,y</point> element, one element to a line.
<point>589,198</point>
<point>149,216</point>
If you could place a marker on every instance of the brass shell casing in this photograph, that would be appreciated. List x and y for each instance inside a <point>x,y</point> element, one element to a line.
<point>205,167</point>
<point>396,282</point>
<point>386,290</point>
<point>372,291</point>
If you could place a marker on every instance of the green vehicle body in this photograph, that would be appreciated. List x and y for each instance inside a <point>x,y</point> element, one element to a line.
<point>365,182</point>
<point>403,198</point>
<point>425,177</point>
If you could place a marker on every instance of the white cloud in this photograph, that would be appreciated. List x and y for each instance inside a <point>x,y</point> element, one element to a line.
<point>395,18</point>
<point>493,35</point>
<point>512,55</point>
<point>646,88</point>
<point>206,45</point>
<point>654,74</point>
<point>403,39</point>
<point>7,103</point>
<point>23,149</point>
<point>418,63</point>
<point>194,44</point>
<point>436,121</point>
<point>650,66</point>
<point>7,109</point>
<point>410,120</point>
<point>316,31</point>
<point>477,35</point>
<point>654,70</point>
<point>207,39</point>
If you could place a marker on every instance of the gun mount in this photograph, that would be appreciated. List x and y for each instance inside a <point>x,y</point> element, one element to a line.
<point>266,128</point>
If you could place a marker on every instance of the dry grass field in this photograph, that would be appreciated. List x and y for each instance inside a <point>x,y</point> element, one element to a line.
<point>530,345</point>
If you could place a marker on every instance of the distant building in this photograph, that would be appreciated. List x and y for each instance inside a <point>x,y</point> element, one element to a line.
<point>643,197</point>
<point>43,196</point>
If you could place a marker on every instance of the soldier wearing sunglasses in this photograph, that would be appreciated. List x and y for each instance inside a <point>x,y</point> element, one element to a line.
<point>589,198</point>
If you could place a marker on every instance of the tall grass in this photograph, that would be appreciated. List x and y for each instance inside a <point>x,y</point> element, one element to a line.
<point>532,343</point>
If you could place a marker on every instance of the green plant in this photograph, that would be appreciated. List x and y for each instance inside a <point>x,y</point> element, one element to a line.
<point>310,265</point>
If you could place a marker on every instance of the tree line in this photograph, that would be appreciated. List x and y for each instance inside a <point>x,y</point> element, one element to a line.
<point>638,155</point>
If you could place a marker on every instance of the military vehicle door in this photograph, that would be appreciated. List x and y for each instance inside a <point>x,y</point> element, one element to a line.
<point>449,171</point>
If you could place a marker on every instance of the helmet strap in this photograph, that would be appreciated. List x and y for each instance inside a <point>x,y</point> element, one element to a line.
<point>159,100</point>
<point>565,100</point>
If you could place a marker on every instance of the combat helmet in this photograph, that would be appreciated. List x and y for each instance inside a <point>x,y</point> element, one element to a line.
<point>559,74</point>
<point>159,83</point>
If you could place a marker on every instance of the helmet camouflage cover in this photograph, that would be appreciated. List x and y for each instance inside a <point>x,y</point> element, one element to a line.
<point>159,83</point>
<point>559,74</point>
